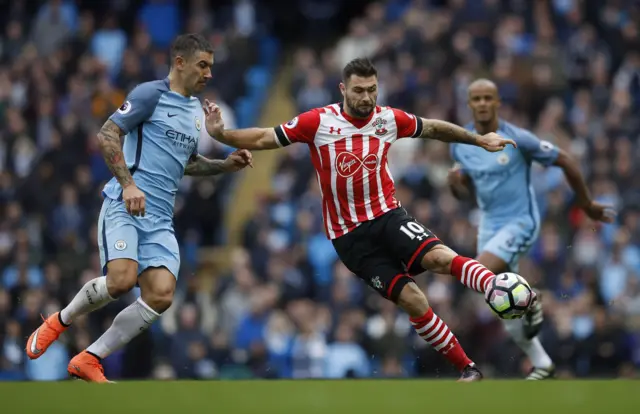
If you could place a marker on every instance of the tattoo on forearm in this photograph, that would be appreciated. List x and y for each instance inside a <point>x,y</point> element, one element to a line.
<point>447,132</point>
<point>201,166</point>
<point>111,147</point>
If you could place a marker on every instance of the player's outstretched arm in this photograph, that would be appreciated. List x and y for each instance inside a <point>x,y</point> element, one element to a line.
<point>448,132</point>
<point>571,169</point>
<point>109,139</point>
<point>255,139</point>
<point>201,166</point>
<point>248,138</point>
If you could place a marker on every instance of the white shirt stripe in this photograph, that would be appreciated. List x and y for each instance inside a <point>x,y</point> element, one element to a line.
<point>365,180</point>
<point>349,185</point>
<point>383,202</point>
<point>334,187</point>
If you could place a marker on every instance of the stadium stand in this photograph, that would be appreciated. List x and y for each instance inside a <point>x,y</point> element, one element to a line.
<point>284,307</point>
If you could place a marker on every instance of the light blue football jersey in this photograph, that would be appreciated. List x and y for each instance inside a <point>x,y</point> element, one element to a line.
<point>162,130</point>
<point>502,180</point>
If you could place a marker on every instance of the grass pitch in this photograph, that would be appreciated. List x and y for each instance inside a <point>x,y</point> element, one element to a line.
<point>322,397</point>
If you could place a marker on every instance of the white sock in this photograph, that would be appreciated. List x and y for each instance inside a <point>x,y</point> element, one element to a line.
<point>531,347</point>
<point>92,296</point>
<point>128,324</point>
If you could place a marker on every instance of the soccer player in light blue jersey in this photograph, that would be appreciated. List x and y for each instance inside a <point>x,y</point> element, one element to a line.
<point>161,122</point>
<point>510,221</point>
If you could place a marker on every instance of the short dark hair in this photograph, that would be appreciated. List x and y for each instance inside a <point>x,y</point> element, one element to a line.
<point>189,44</point>
<point>362,67</point>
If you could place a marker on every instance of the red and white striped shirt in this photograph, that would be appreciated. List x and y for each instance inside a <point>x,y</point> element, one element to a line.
<point>350,159</point>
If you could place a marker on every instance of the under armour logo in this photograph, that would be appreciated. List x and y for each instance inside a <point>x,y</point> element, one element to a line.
<point>448,348</point>
<point>337,130</point>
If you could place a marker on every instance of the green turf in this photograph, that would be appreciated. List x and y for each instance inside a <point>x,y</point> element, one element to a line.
<point>323,397</point>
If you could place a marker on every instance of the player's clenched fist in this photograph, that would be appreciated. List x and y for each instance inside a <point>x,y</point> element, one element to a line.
<point>493,142</point>
<point>238,160</point>
<point>213,122</point>
<point>134,200</point>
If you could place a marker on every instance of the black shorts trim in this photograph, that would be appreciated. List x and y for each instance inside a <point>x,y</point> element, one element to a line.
<point>414,265</point>
<point>396,285</point>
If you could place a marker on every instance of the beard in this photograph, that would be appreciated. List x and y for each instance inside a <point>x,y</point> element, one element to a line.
<point>360,111</point>
<point>198,86</point>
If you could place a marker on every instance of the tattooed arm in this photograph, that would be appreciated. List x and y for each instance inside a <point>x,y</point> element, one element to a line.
<point>448,132</point>
<point>199,166</point>
<point>109,139</point>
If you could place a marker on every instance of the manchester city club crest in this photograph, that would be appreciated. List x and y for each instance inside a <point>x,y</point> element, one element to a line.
<point>198,124</point>
<point>379,124</point>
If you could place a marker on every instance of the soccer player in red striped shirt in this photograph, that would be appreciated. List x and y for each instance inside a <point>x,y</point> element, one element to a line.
<point>372,233</point>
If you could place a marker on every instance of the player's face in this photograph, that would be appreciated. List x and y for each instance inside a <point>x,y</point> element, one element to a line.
<point>197,71</point>
<point>484,103</point>
<point>360,95</point>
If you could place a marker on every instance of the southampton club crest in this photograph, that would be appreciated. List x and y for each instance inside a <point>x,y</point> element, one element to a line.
<point>379,124</point>
<point>198,124</point>
<point>377,283</point>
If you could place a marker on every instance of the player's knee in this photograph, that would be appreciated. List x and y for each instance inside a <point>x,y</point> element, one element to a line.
<point>159,300</point>
<point>122,275</point>
<point>413,301</point>
<point>159,295</point>
<point>438,259</point>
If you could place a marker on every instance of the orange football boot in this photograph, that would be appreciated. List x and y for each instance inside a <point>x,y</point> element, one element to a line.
<point>44,336</point>
<point>87,367</point>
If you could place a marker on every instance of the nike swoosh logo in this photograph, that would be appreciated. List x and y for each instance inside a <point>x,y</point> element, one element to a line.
<point>171,115</point>
<point>34,349</point>
<point>94,288</point>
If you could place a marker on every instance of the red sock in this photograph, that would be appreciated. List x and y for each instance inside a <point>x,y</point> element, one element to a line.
<point>471,273</point>
<point>437,334</point>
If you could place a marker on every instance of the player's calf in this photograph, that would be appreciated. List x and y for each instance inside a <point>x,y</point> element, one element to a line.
<point>121,278</point>
<point>441,259</point>
<point>95,294</point>
<point>434,330</point>
<point>157,286</point>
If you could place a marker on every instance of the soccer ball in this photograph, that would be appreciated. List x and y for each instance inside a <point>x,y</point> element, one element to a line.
<point>509,296</point>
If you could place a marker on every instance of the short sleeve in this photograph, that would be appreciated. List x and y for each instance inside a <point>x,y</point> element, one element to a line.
<point>137,107</point>
<point>302,128</point>
<point>536,149</point>
<point>408,125</point>
<point>457,162</point>
<point>452,152</point>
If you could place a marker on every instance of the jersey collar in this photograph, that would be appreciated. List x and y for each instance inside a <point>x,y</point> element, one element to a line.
<point>356,122</point>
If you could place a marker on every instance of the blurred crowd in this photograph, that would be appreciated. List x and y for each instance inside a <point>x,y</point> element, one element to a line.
<point>567,69</point>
